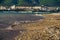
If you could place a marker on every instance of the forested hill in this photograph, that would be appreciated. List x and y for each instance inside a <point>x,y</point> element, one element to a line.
<point>30,2</point>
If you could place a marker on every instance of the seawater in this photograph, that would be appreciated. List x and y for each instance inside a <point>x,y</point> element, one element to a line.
<point>22,12</point>
<point>7,18</point>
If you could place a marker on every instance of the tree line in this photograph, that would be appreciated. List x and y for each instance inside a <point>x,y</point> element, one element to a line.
<point>30,2</point>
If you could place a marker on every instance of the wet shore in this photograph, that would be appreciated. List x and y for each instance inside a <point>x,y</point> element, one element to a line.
<point>30,27</point>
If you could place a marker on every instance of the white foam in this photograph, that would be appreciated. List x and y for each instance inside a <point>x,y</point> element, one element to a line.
<point>38,14</point>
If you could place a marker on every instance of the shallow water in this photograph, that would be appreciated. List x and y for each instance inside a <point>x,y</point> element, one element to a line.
<point>9,17</point>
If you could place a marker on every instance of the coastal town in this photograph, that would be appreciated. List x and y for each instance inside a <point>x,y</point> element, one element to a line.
<point>30,8</point>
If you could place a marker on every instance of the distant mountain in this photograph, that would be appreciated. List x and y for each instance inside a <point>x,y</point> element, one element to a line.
<point>30,2</point>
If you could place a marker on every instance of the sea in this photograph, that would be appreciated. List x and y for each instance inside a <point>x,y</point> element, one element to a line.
<point>7,18</point>
<point>22,12</point>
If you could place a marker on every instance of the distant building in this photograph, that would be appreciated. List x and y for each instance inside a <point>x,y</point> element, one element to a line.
<point>2,8</point>
<point>30,8</point>
<point>24,8</point>
<point>13,7</point>
<point>37,7</point>
<point>44,8</point>
<point>52,8</point>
